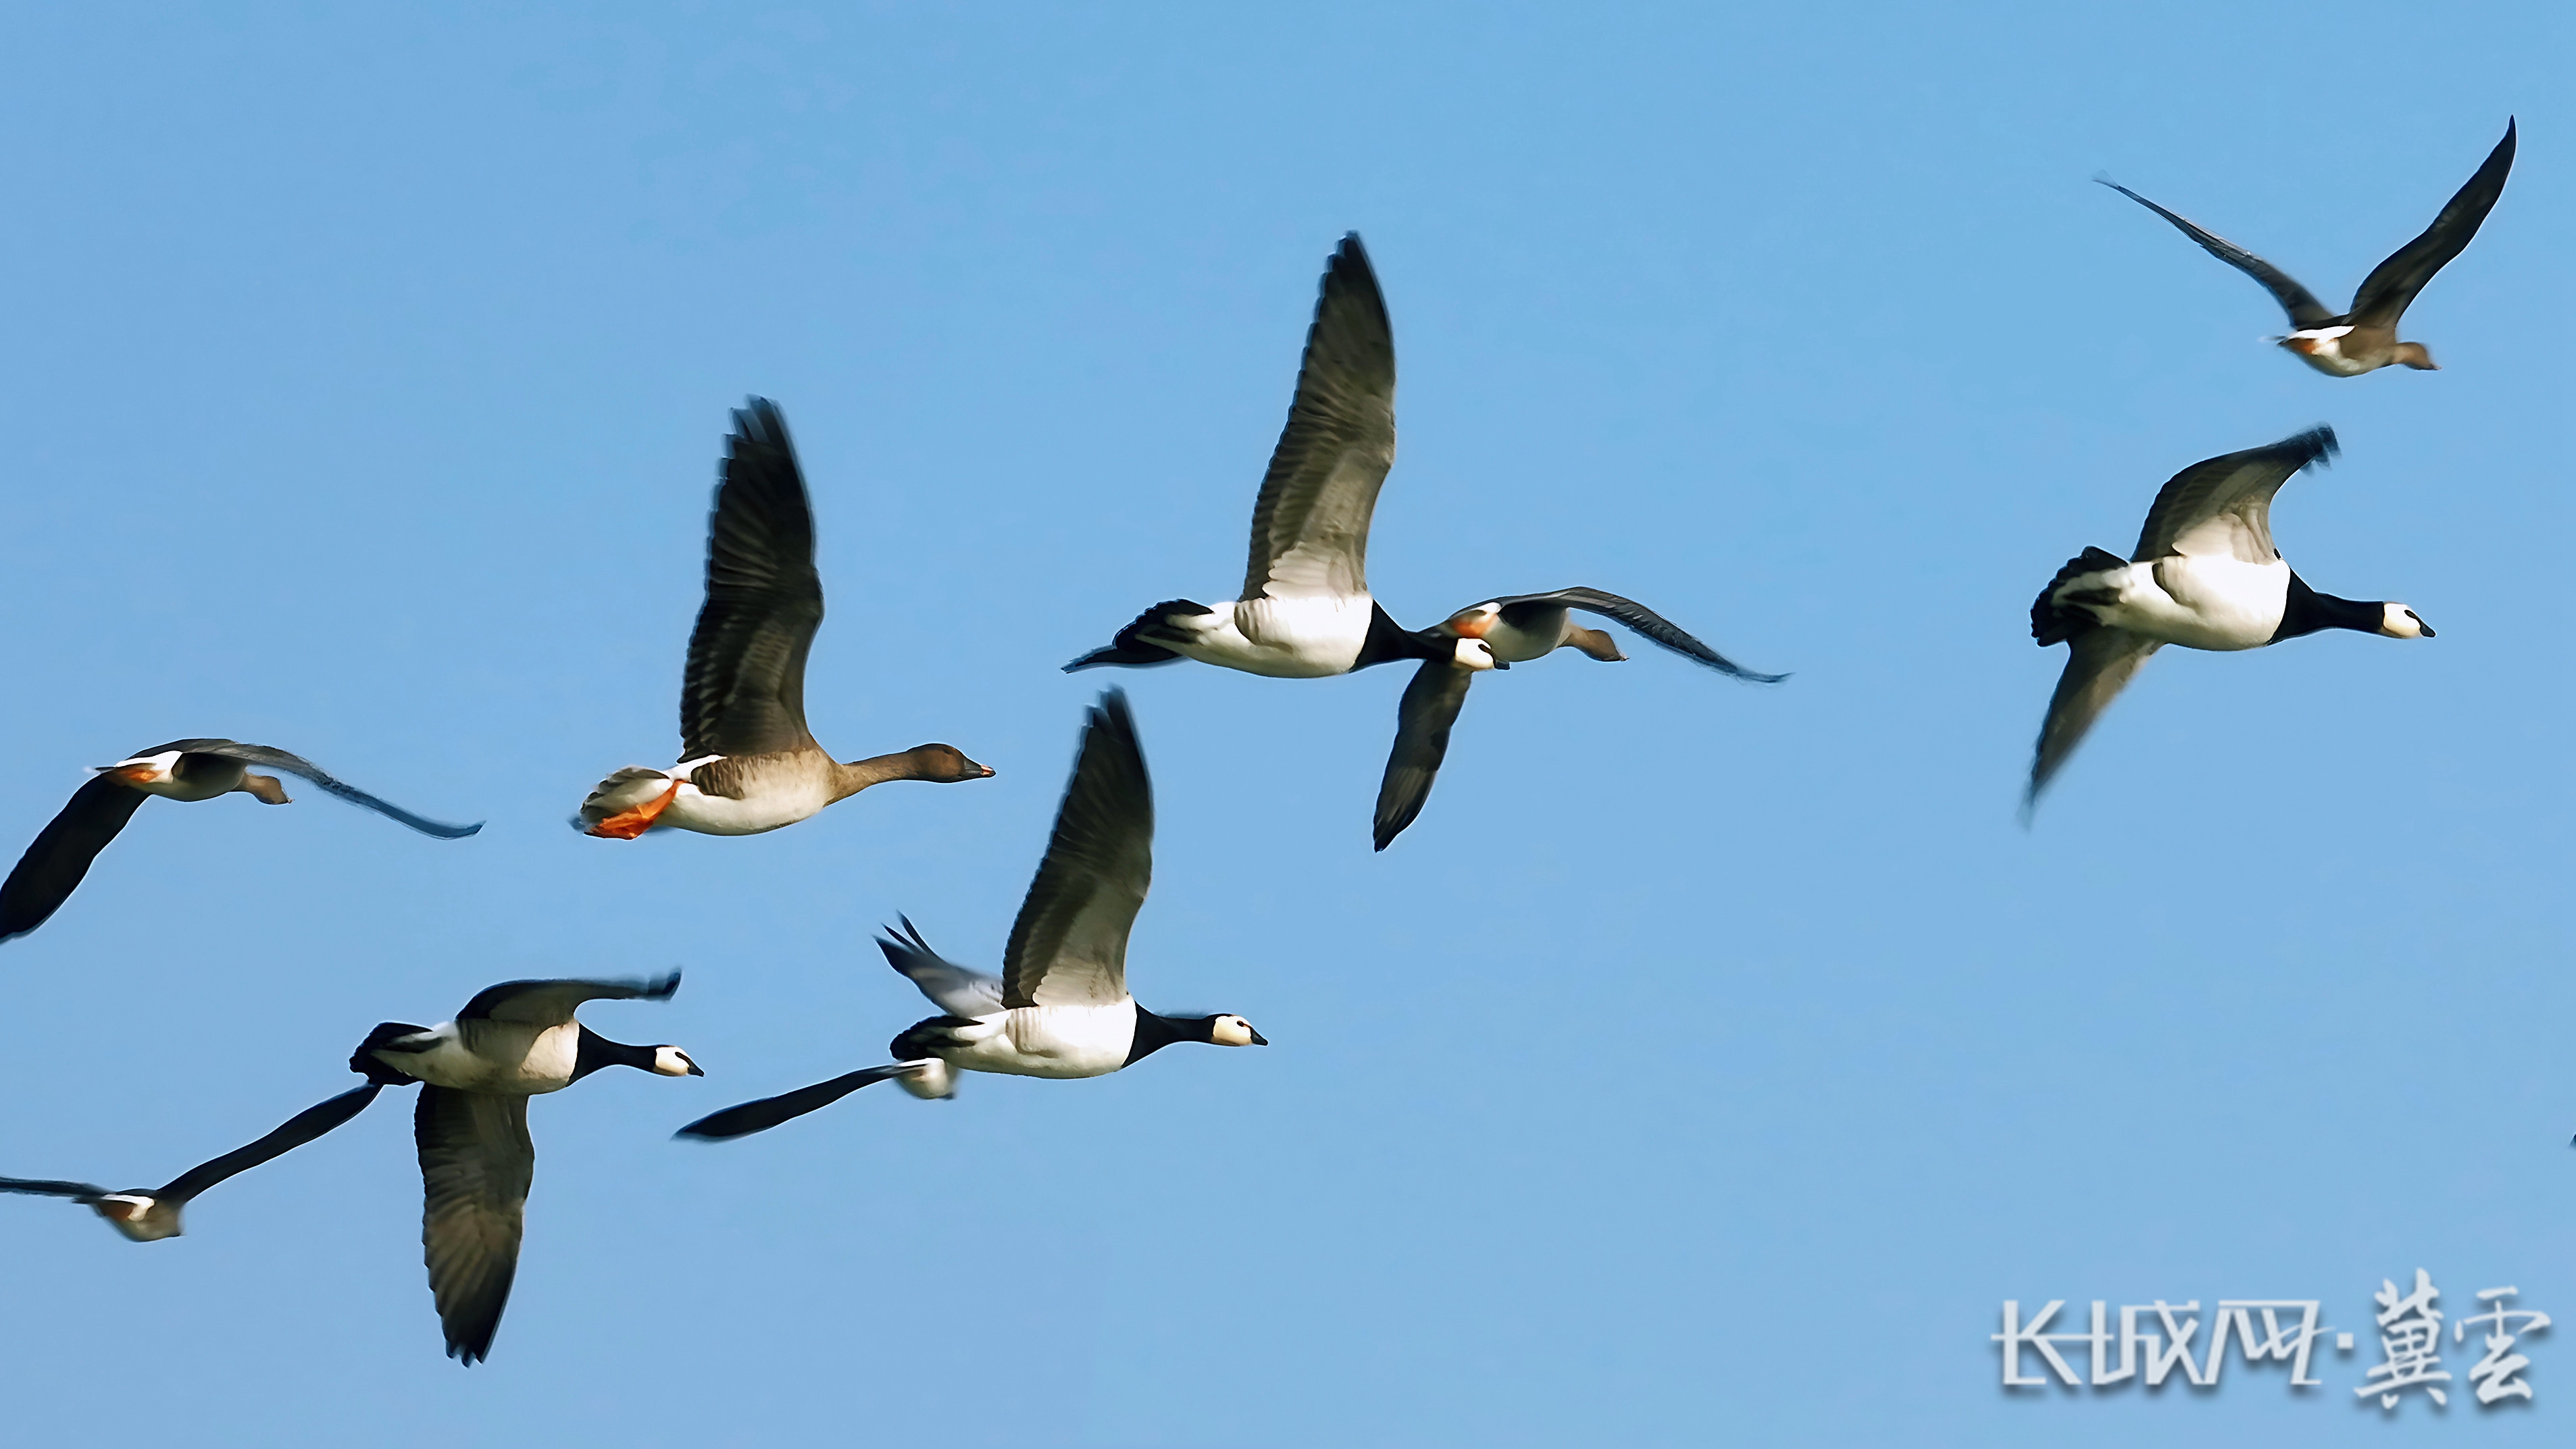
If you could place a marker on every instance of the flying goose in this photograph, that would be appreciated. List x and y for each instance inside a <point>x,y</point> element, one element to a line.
<point>180,770</point>
<point>747,761</point>
<point>477,1072</point>
<point>149,1214</point>
<point>2364,339</point>
<point>2204,575</point>
<point>1060,1008</point>
<point>1517,629</point>
<point>1305,612</point>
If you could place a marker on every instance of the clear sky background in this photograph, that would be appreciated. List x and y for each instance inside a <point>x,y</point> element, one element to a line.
<point>1707,1065</point>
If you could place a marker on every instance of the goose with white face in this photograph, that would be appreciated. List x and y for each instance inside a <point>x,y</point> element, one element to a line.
<point>2205,575</point>
<point>1060,1008</point>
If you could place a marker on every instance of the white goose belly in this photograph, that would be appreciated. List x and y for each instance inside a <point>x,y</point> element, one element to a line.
<point>2322,349</point>
<point>1292,638</point>
<point>777,804</point>
<point>1051,1041</point>
<point>494,1057</point>
<point>2200,603</point>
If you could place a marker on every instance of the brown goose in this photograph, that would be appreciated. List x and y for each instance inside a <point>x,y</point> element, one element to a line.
<point>187,770</point>
<point>747,761</point>
<point>149,1214</point>
<point>1517,628</point>
<point>2364,339</point>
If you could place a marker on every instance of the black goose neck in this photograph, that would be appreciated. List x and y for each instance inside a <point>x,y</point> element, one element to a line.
<point>1388,641</point>
<point>2306,611</point>
<point>1153,1033</point>
<point>597,1051</point>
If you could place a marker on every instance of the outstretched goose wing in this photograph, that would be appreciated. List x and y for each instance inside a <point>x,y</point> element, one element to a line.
<point>2099,664</point>
<point>1651,626</point>
<point>294,1132</point>
<point>744,690</point>
<point>476,1163</point>
<point>2393,283</point>
<point>1310,526</point>
<point>1069,945</point>
<point>768,1112</point>
<point>1422,720</point>
<point>957,990</point>
<point>552,1003</point>
<point>2302,305</point>
<point>54,864</point>
<point>276,759</point>
<point>2222,506</point>
<point>53,1187</point>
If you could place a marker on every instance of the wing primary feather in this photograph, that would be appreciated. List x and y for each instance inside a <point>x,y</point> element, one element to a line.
<point>2301,304</point>
<point>294,1132</point>
<point>1069,943</point>
<point>1310,524</point>
<point>476,1164</point>
<point>277,759</point>
<point>2099,663</point>
<point>2391,286</point>
<point>60,856</point>
<point>1423,719</point>
<point>743,691</point>
<point>768,1112</point>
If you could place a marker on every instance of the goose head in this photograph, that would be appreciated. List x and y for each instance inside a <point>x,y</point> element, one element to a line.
<point>1475,654</point>
<point>2400,622</point>
<point>945,765</point>
<point>670,1061</point>
<point>1227,1029</point>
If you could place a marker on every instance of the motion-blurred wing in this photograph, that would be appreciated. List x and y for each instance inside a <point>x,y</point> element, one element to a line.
<point>476,1162</point>
<point>1069,945</point>
<point>954,989</point>
<point>744,690</point>
<point>1422,720</point>
<point>2393,284</point>
<point>2099,664</point>
<point>552,1003</point>
<point>276,759</point>
<point>46,875</point>
<point>2304,309</point>
<point>297,1130</point>
<point>2222,506</point>
<point>1310,526</point>
<point>1651,626</point>
<point>768,1112</point>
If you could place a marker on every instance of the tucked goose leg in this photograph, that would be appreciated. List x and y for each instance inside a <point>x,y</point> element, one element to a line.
<point>627,803</point>
<point>1594,642</point>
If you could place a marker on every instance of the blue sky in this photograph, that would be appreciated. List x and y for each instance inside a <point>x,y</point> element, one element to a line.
<point>1708,1064</point>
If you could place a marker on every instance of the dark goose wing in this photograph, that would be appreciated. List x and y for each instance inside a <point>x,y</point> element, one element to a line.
<point>476,1162</point>
<point>297,1130</point>
<point>1422,720</point>
<point>768,1112</point>
<point>2099,664</point>
<point>2223,505</point>
<point>1651,626</point>
<point>2304,309</point>
<point>1310,526</point>
<point>2393,283</point>
<point>297,765</point>
<point>53,1187</point>
<point>744,692</point>
<point>1069,945</point>
<point>552,1003</point>
<point>54,864</point>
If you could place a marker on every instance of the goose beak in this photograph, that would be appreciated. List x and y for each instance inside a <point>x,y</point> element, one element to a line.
<point>1502,664</point>
<point>1257,1038</point>
<point>696,1071</point>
